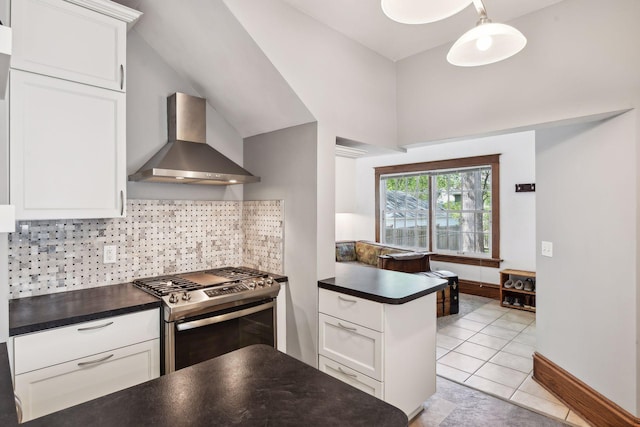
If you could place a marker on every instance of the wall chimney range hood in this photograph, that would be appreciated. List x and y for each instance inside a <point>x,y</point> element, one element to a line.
<point>186,158</point>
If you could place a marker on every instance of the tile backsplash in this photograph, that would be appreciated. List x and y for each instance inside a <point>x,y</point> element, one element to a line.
<point>156,237</point>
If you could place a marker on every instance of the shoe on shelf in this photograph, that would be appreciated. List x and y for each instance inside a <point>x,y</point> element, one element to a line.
<point>533,301</point>
<point>528,286</point>
<point>527,301</point>
<point>508,284</point>
<point>519,285</point>
<point>516,302</point>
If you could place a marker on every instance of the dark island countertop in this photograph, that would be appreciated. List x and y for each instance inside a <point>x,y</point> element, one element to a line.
<point>253,386</point>
<point>37,313</point>
<point>385,286</point>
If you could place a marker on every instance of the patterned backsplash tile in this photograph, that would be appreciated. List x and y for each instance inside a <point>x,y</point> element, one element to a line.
<point>157,237</point>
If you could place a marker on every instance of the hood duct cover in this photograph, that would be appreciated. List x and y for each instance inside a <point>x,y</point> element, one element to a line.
<point>186,158</point>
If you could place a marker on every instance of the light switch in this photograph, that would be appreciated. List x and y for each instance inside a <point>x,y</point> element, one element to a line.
<point>547,249</point>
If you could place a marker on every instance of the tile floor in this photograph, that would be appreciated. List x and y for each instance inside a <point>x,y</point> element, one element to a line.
<point>490,349</point>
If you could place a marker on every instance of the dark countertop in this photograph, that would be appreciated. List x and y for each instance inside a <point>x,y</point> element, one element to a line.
<point>253,386</point>
<point>385,286</point>
<point>34,314</point>
<point>8,415</point>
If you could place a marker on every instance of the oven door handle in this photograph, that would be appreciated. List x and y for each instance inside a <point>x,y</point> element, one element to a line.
<point>223,317</point>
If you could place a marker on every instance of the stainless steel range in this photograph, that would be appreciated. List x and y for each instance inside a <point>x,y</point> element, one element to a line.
<point>212,312</point>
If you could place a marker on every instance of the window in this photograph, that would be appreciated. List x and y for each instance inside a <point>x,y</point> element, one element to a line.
<point>450,207</point>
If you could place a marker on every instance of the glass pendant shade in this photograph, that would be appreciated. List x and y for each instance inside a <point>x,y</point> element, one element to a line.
<point>422,11</point>
<point>485,44</point>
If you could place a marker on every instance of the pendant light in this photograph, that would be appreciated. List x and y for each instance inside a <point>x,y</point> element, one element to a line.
<point>422,11</point>
<point>486,43</point>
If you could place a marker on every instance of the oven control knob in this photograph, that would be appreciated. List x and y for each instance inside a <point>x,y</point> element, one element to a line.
<point>260,283</point>
<point>173,298</point>
<point>186,296</point>
<point>251,285</point>
<point>269,281</point>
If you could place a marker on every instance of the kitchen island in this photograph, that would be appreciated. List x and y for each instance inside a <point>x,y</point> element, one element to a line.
<point>253,386</point>
<point>377,332</point>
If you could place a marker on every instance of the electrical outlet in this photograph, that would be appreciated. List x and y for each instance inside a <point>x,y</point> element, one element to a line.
<point>547,249</point>
<point>110,254</point>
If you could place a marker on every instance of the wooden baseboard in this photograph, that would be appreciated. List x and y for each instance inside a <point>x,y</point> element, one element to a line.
<point>582,399</point>
<point>480,288</point>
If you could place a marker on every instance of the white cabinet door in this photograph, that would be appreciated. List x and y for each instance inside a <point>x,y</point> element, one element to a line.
<point>352,345</point>
<point>67,149</point>
<point>60,39</point>
<point>60,386</point>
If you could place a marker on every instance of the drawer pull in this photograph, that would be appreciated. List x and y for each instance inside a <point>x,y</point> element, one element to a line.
<point>93,362</point>
<point>347,299</point>
<point>121,76</point>
<point>347,373</point>
<point>347,327</point>
<point>91,328</point>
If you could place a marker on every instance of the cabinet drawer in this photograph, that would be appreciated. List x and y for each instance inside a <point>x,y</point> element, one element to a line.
<point>60,39</point>
<point>351,345</point>
<point>41,349</point>
<point>352,309</point>
<point>57,387</point>
<point>351,377</point>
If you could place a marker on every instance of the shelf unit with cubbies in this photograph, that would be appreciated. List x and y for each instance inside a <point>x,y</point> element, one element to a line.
<point>521,294</point>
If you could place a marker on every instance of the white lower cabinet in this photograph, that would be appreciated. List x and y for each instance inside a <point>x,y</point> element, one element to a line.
<point>395,361</point>
<point>85,361</point>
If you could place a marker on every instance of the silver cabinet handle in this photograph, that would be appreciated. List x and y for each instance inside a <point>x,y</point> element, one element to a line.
<point>346,299</point>
<point>121,76</point>
<point>347,373</point>
<point>18,407</point>
<point>91,328</point>
<point>347,327</point>
<point>121,203</point>
<point>93,362</point>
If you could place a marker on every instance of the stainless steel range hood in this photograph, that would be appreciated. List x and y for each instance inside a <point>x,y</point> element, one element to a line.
<point>186,158</point>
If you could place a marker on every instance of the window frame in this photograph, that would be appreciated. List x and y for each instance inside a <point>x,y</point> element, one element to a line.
<point>492,160</point>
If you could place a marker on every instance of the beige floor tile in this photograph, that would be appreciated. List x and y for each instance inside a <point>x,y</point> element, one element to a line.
<point>451,373</point>
<point>527,339</point>
<point>495,331</point>
<point>489,386</point>
<point>495,305</point>
<point>507,324</point>
<point>447,342</point>
<point>468,324</point>
<point>519,349</point>
<point>530,386</point>
<point>434,412</point>
<point>541,405</point>
<point>502,375</point>
<point>519,363</point>
<point>488,341</point>
<point>576,420</point>
<point>476,350</point>
<point>461,361</point>
<point>441,351</point>
<point>531,329</point>
<point>482,317</point>
<point>456,332</point>
<point>488,311</point>
<point>518,316</point>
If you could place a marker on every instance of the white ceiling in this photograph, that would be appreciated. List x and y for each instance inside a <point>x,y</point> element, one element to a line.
<point>364,22</point>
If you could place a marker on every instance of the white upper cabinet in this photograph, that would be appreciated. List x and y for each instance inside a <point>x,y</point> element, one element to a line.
<point>60,39</point>
<point>68,149</point>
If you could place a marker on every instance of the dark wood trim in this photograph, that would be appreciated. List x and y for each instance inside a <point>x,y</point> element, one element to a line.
<point>492,160</point>
<point>488,290</point>
<point>582,399</point>
<point>458,259</point>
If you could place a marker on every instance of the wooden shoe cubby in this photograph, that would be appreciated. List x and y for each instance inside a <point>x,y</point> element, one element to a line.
<point>514,275</point>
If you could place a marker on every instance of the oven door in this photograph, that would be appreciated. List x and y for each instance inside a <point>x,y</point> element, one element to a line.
<point>194,340</point>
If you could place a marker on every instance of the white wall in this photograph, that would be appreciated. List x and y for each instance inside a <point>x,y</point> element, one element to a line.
<point>287,161</point>
<point>346,86</point>
<point>581,59</point>
<point>517,210</point>
<point>587,205</point>
<point>150,81</point>
<point>4,197</point>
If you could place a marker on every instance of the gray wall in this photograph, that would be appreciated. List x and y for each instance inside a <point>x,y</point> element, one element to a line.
<point>586,205</point>
<point>286,160</point>
<point>4,197</point>
<point>149,81</point>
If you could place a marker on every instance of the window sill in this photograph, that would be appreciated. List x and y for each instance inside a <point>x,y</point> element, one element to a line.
<point>457,259</point>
